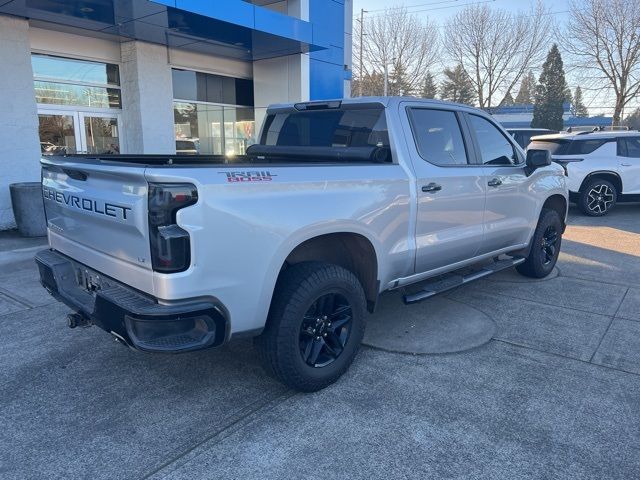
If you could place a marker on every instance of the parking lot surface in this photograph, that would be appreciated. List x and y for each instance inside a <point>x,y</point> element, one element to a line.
<point>554,394</point>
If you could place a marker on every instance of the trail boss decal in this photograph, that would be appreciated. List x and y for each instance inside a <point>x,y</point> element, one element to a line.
<point>251,176</point>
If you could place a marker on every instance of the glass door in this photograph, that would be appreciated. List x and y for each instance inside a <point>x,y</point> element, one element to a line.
<point>58,132</point>
<point>66,132</point>
<point>100,133</point>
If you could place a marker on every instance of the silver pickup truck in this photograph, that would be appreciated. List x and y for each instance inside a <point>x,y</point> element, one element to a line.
<point>293,242</point>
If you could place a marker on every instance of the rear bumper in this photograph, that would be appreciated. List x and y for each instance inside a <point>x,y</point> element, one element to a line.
<point>137,319</point>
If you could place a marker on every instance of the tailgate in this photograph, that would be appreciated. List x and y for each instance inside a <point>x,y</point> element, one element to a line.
<point>97,211</point>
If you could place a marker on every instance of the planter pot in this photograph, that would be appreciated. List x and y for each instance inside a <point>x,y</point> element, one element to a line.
<point>28,208</point>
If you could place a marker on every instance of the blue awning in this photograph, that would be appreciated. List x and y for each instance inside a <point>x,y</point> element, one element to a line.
<point>230,28</point>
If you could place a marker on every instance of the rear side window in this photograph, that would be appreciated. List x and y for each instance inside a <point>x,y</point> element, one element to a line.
<point>345,127</point>
<point>629,147</point>
<point>495,149</point>
<point>438,136</point>
<point>585,147</point>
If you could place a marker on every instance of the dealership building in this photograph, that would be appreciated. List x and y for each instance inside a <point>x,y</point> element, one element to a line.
<point>163,76</point>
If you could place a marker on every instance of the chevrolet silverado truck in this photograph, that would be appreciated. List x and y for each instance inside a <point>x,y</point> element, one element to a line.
<point>293,242</point>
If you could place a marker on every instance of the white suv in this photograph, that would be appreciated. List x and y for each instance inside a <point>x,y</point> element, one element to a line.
<point>602,168</point>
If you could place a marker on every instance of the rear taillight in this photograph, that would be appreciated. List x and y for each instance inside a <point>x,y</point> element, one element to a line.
<point>170,249</point>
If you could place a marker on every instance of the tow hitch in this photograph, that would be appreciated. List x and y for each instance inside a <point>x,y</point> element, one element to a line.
<point>77,320</point>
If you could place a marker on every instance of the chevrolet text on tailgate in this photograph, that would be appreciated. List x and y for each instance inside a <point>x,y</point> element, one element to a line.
<point>293,242</point>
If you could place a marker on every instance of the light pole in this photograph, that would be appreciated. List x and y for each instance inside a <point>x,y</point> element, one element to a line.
<point>362,12</point>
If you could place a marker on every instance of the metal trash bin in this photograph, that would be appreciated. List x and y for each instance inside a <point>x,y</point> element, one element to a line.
<point>28,208</point>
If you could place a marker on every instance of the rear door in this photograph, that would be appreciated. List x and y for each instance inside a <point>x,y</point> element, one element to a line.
<point>450,187</point>
<point>510,207</point>
<point>629,161</point>
<point>97,212</point>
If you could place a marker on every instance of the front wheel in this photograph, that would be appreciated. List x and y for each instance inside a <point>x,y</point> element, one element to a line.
<point>597,197</point>
<point>315,326</point>
<point>545,246</point>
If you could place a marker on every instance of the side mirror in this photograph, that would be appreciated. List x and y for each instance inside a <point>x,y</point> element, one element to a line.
<point>538,159</point>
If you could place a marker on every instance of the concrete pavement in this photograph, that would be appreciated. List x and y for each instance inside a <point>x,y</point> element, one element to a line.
<point>554,394</point>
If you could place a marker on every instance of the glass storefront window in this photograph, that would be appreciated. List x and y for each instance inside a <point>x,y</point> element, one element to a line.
<point>212,129</point>
<point>81,95</point>
<point>206,87</point>
<point>46,67</point>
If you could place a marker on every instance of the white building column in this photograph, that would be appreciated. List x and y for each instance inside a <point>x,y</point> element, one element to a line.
<point>19,139</point>
<point>282,79</point>
<point>147,99</point>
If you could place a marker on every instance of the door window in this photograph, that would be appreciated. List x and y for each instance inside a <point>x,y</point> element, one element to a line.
<point>101,134</point>
<point>495,148</point>
<point>57,134</point>
<point>438,136</point>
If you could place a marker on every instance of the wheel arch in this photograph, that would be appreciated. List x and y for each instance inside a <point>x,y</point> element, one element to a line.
<point>609,175</point>
<point>558,203</point>
<point>350,250</point>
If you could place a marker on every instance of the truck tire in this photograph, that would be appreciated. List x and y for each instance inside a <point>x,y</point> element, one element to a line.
<point>545,246</point>
<point>597,197</point>
<point>315,326</point>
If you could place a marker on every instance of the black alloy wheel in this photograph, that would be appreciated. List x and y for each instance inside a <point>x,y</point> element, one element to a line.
<point>325,330</point>
<point>549,245</point>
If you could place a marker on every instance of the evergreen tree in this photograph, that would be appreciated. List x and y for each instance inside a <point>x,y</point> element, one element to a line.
<point>633,120</point>
<point>578,108</point>
<point>457,86</point>
<point>398,83</point>
<point>507,100</point>
<point>527,93</point>
<point>429,88</point>
<point>551,93</point>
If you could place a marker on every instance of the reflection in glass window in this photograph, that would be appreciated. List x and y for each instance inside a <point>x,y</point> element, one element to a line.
<point>46,67</point>
<point>438,136</point>
<point>495,149</point>
<point>81,95</point>
<point>211,129</point>
<point>57,134</point>
<point>102,135</point>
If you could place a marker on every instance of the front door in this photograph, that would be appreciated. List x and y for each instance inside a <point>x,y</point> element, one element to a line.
<point>70,131</point>
<point>510,208</point>
<point>450,188</point>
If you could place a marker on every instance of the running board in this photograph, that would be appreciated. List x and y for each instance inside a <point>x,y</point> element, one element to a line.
<point>453,280</point>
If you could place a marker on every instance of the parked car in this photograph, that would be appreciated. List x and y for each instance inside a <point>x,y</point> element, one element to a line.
<point>293,242</point>
<point>187,146</point>
<point>523,135</point>
<point>602,168</point>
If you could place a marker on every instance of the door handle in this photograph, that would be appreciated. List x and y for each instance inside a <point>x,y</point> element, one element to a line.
<point>625,164</point>
<point>431,188</point>
<point>495,182</point>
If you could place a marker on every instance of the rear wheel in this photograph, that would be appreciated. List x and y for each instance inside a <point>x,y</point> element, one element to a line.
<point>597,197</point>
<point>315,326</point>
<point>545,246</point>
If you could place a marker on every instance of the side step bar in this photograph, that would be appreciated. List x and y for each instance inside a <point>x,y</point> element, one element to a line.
<point>453,280</point>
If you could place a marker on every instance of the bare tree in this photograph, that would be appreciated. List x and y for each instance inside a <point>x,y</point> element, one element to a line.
<point>398,47</point>
<point>603,39</point>
<point>497,48</point>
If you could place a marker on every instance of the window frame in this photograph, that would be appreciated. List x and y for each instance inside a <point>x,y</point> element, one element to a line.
<point>518,151</point>
<point>65,106</point>
<point>468,147</point>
